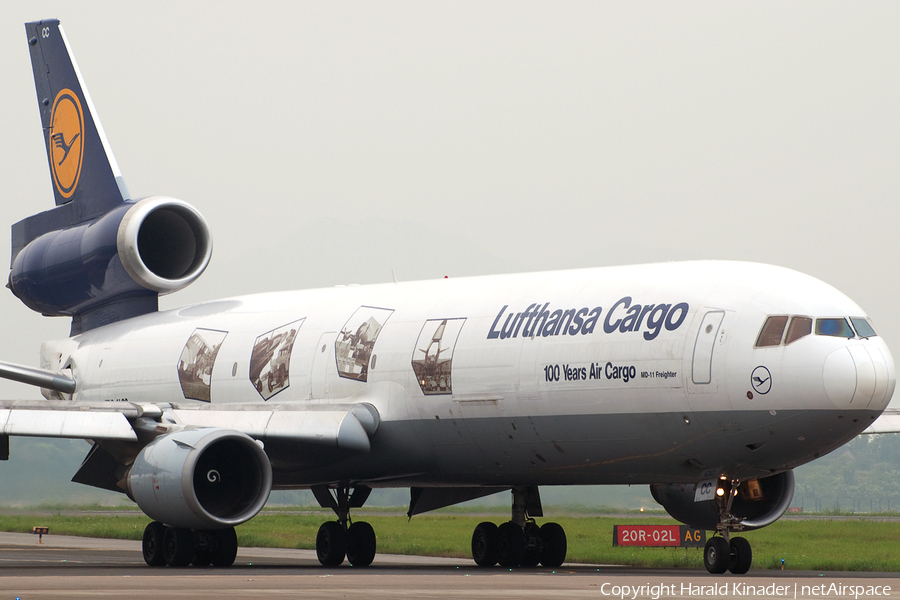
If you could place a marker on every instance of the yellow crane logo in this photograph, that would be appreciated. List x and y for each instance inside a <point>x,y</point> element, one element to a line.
<point>66,142</point>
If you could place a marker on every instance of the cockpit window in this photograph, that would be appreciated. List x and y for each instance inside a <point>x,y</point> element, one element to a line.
<point>863,327</point>
<point>800,327</point>
<point>834,328</point>
<point>771,331</point>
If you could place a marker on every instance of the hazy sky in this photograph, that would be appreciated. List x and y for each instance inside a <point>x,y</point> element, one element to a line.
<point>329,143</point>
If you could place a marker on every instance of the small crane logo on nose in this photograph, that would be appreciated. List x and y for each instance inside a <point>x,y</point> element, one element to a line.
<point>761,380</point>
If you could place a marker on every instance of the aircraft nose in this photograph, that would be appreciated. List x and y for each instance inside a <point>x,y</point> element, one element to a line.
<point>860,376</point>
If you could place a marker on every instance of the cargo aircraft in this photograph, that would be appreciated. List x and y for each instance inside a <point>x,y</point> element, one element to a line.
<point>708,381</point>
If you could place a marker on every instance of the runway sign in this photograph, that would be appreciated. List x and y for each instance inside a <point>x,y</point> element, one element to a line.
<point>658,535</point>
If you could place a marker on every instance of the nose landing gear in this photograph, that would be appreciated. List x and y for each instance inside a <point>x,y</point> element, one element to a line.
<point>727,553</point>
<point>722,555</point>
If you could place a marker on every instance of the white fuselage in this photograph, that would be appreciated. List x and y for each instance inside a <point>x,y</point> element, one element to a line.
<point>633,374</point>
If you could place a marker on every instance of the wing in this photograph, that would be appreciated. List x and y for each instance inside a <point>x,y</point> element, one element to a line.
<point>347,427</point>
<point>55,418</point>
<point>49,419</point>
<point>339,426</point>
<point>888,422</point>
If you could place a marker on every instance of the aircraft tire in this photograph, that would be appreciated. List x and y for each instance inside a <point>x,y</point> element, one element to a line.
<point>361,544</point>
<point>484,544</point>
<point>510,544</point>
<point>223,549</point>
<point>331,544</point>
<point>178,546</point>
<point>534,545</point>
<point>741,556</point>
<point>716,555</point>
<point>152,544</point>
<point>555,545</point>
<point>201,558</point>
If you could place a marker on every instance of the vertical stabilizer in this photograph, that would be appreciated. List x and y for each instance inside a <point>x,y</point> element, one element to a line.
<point>99,256</point>
<point>84,174</point>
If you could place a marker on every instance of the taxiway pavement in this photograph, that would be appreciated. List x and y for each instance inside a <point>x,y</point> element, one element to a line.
<point>71,567</point>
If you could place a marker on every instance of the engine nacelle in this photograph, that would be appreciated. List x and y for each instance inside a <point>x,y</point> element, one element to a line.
<point>153,246</point>
<point>207,478</point>
<point>759,502</point>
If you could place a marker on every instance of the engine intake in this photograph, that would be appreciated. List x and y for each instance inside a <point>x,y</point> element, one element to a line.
<point>759,502</point>
<point>163,243</point>
<point>132,253</point>
<point>205,478</point>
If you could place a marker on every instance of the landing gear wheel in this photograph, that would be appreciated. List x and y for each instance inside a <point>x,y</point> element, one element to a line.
<point>716,555</point>
<point>484,544</point>
<point>152,544</point>
<point>741,556</point>
<point>223,547</point>
<point>202,549</point>
<point>331,544</point>
<point>178,546</point>
<point>555,546</point>
<point>534,545</point>
<point>360,544</point>
<point>510,544</point>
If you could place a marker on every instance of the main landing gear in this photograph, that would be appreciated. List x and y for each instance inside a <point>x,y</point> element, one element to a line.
<point>727,553</point>
<point>178,547</point>
<point>341,538</point>
<point>519,541</point>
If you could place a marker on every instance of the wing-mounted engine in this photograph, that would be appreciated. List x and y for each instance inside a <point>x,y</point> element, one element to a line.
<point>115,266</point>
<point>757,503</point>
<point>208,478</point>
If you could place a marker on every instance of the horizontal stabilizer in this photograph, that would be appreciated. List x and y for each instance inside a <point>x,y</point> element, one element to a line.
<point>37,377</point>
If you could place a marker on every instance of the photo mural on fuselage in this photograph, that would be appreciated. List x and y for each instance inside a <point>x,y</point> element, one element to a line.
<point>354,344</point>
<point>195,365</point>
<point>432,360</point>
<point>625,316</point>
<point>270,360</point>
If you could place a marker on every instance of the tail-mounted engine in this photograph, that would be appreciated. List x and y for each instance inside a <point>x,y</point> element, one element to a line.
<point>207,478</point>
<point>115,266</point>
<point>752,504</point>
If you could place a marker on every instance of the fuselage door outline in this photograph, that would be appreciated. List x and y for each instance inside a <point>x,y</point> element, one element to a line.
<point>701,366</point>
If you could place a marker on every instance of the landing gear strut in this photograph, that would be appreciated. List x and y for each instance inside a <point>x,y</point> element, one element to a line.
<point>343,538</point>
<point>727,553</point>
<point>519,541</point>
<point>178,547</point>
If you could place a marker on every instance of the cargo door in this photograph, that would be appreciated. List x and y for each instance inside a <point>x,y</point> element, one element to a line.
<point>323,366</point>
<point>701,365</point>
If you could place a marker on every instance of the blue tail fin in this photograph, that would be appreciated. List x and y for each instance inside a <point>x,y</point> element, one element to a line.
<point>85,177</point>
<point>99,256</point>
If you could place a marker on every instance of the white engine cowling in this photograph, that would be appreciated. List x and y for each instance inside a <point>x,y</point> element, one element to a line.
<point>164,243</point>
<point>206,478</point>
